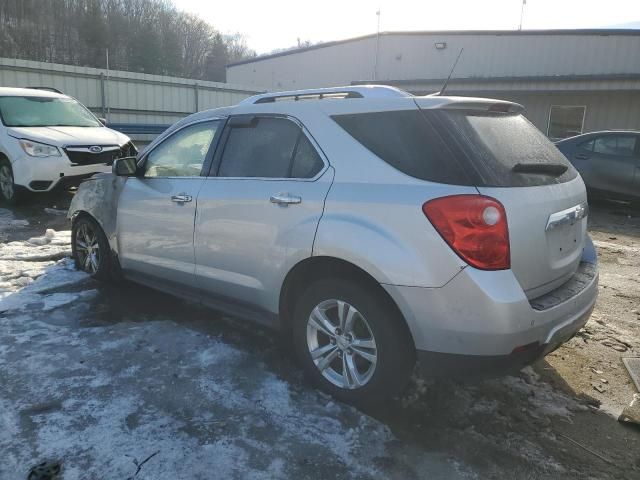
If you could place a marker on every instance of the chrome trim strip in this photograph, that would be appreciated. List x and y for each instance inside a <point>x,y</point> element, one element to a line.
<point>568,216</point>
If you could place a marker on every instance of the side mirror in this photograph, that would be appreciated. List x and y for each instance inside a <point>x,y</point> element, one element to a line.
<point>125,167</point>
<point>102,120</point>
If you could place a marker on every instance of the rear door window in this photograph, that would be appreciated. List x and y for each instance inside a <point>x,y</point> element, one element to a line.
<point>306,161</point>
<point>587,145</point>
<point>460,147</point>
<point>269,147</point>
<point>615,145</point>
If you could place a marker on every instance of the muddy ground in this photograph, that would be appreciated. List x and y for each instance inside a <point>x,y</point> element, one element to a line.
<point>102,378</point>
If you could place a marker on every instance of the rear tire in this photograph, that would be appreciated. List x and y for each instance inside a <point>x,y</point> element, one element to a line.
<point>90,248</point>
<point>351,342</point>
<point>10,193</point>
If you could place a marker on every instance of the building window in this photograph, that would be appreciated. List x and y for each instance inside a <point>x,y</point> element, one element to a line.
<point>565,121</point>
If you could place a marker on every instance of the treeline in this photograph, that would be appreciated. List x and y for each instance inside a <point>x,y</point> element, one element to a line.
<point>149,36</point>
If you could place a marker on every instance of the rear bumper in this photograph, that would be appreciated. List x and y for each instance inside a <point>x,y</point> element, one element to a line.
<point>436,364</point>
<point>482,322</point>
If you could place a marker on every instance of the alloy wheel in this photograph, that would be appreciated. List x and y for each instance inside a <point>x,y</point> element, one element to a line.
<point>87,248</point>
<point>6,182</point>
<point>341,344</point>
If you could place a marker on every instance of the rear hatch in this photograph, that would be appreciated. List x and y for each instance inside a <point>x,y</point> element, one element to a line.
<point>507,158</point>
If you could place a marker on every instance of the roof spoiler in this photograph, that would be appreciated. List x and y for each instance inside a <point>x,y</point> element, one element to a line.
<point>491,106</point>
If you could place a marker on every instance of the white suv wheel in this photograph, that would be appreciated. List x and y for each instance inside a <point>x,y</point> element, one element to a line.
<point>6,182</point>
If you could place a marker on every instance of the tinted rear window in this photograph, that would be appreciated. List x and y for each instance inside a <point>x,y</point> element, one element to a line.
<point>457,146</point>
<point>406,141</point>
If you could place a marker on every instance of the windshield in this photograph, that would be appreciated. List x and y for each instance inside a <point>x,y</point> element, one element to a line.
<point>45,112</point>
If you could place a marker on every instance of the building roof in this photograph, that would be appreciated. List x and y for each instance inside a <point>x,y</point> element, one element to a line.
<point>592,32</point>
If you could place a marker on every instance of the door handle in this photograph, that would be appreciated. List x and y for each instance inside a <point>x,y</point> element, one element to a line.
<point>285,199</point>
<point>181,198</point>
<point>581,156</point>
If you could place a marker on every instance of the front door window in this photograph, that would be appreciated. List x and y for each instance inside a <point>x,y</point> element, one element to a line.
<point>182,154</point>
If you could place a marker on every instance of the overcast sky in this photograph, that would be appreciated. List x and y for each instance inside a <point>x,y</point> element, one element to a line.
<point>273,24</point>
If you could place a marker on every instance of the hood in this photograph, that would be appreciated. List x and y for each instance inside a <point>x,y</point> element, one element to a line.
<point>67,136</point>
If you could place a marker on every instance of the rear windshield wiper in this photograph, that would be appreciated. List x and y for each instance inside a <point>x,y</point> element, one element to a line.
<point>555,169</point>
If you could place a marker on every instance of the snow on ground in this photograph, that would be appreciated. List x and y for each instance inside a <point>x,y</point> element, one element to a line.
<point>104,396</point>
<point>9,222</point>
<point>102,387</point>
<point>30,270</point>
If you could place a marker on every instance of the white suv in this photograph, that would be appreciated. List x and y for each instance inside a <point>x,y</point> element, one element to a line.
<point>50,140</point>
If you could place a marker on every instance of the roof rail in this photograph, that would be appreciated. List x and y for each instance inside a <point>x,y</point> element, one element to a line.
<point>48,89</point>
<point>360,91</point>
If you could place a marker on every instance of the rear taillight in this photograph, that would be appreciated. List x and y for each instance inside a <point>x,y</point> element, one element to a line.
<point>474,226</point>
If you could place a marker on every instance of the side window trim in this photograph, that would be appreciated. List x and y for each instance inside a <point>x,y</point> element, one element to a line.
<point>210,152</point>
<point>213,171</point>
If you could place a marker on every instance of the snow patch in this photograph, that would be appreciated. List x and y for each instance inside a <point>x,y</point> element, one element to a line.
<point>55,211</point>
<point>56,300</point>
<point>51,246</point>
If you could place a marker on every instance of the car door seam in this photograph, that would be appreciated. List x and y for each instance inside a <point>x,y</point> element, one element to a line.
<point>324,205</point>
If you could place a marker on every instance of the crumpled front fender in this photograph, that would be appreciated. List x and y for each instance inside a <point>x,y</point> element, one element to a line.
<point>98,197</point>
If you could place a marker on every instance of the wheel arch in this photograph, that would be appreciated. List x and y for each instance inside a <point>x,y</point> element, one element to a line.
<point>114,263</point>
<point>316,268</point>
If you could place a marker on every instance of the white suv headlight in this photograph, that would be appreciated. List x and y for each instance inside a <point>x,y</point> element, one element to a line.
<point>35,149</point>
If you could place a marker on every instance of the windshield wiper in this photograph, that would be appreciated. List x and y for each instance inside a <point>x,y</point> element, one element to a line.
<point>554,169</point>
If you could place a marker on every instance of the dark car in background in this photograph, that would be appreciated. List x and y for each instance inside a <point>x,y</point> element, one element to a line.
<point>608,161</point>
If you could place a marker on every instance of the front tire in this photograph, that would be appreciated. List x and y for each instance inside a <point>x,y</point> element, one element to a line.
<point>10,193</point>
<point>351,341</point>
<point>90,248</point>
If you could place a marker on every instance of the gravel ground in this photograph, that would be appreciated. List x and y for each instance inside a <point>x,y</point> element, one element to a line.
<point>118,382</point>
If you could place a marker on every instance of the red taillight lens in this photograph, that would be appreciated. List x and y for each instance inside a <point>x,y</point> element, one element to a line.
<point>474,226</point>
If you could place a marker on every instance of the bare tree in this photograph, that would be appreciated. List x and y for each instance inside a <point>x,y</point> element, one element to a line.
<point>149,36</point>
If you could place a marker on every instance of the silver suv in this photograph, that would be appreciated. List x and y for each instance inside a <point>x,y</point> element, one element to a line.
<point>372,227</point>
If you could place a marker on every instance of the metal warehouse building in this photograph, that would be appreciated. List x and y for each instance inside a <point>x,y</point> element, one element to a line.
<point>570,81</point>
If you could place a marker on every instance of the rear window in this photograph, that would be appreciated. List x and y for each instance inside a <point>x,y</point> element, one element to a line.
<point>405,140</point>
<point>459,146</point>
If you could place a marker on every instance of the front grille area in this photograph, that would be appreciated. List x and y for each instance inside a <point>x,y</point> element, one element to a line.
<point>80,154</point>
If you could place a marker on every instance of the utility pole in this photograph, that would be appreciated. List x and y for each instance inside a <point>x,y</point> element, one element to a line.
<point>524,2</point>
<point>375,65</point>
<point>107,90</point>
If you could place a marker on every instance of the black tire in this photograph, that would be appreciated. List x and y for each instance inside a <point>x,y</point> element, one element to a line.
<point>11,194</point>
<point>394,349</point>
<point>98,263</point>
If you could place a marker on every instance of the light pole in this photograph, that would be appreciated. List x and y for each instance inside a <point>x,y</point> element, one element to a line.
<point>375,64</point>
<point>107,90</point>
<point>524,2</point>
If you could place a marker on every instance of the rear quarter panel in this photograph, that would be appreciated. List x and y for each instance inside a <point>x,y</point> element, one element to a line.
<point>381,228</point>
